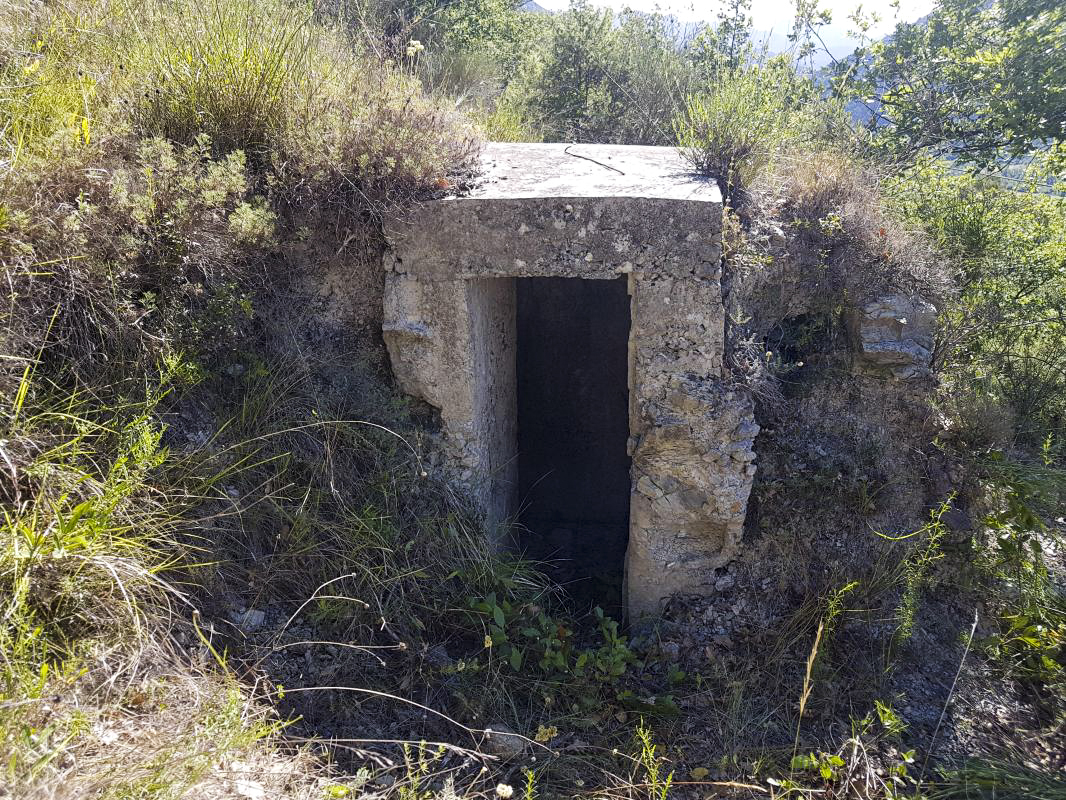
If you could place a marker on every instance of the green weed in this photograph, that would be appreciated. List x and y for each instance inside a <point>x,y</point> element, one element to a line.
<point>418,765</point>
<point>82,550</point>
<point>917,566</point>
<point>524,635</point>
<point>654,784</point>
<point>1031,643</point>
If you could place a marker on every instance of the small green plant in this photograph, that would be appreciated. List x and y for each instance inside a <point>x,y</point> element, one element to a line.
<point>655,783</point>
<point>1034,647</point>
<point>850,771</point>
<point>822,764</point>
<point>889,719</point>
<point>518,633</point>
<point>916,568</point>
<point>523,635</point>
<point>607,664</point>
<point>418,762</point>
<point>1031,642</point>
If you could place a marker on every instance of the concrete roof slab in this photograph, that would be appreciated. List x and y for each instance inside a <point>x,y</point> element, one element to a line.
<point>560,171</point>
<point>590,211</point>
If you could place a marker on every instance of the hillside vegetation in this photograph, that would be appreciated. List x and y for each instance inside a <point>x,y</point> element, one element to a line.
<point>228,565</point>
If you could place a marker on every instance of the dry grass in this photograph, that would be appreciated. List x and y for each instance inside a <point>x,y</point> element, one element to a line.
<point>834,203</point>
<point>816,240</point>
<point>166,729</point>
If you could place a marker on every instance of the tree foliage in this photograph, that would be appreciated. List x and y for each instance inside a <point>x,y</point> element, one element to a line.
<point>726,46</point>
<point>983,81</point>
<point>603,78</point>
<point>1007,331</point>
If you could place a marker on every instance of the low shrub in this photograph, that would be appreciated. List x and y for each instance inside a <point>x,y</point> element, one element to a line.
<point>145,257</point>
<point>1005,338</point>
<point>734,130</point>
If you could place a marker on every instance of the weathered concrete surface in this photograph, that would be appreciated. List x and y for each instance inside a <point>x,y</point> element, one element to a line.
<point>552,171</point>
<point>693,465</point>
<point>540,211</point>
<point>584,212</point>
<point>452,344</point>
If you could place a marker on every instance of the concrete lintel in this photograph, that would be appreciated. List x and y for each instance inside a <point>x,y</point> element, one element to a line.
<point>568,216</point>
<point>556,171</point>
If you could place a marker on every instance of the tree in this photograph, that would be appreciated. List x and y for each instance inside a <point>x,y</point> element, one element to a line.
<point>982,81</point>
<point>727,46</point>
<point>608,79</point>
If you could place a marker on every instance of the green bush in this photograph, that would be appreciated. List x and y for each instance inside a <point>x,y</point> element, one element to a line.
<point>605,79</point>
<point>1015,554</point>
<point>1004,342</point>
<point>734,130</point>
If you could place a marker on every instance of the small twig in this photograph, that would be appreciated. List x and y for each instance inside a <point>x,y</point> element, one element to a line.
<point>594,161</point>
<point>951,692</point>
<point>361,648</point>
<point>454,748</point>
<point>427,709</point>
<point>14,474</point>
<point>315,596</point>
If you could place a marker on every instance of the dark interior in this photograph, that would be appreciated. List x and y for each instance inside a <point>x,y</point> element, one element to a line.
<point>573,423</point>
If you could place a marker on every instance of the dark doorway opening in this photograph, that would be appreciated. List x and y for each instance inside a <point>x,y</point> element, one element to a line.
<point>573,424</point>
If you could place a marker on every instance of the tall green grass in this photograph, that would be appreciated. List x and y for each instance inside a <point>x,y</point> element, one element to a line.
<point>231,70</point>
<point>46,87</point>
<point>86,532</point>
<point>300,98</point>
<point>86,535</point>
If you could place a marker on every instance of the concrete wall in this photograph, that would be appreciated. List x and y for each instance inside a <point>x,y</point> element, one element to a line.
<point>491,305</point>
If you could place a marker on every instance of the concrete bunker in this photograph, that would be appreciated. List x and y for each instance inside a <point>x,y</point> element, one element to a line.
<point>470,278</point>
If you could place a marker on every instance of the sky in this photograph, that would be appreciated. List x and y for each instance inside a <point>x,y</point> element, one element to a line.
<point>775,16</point>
